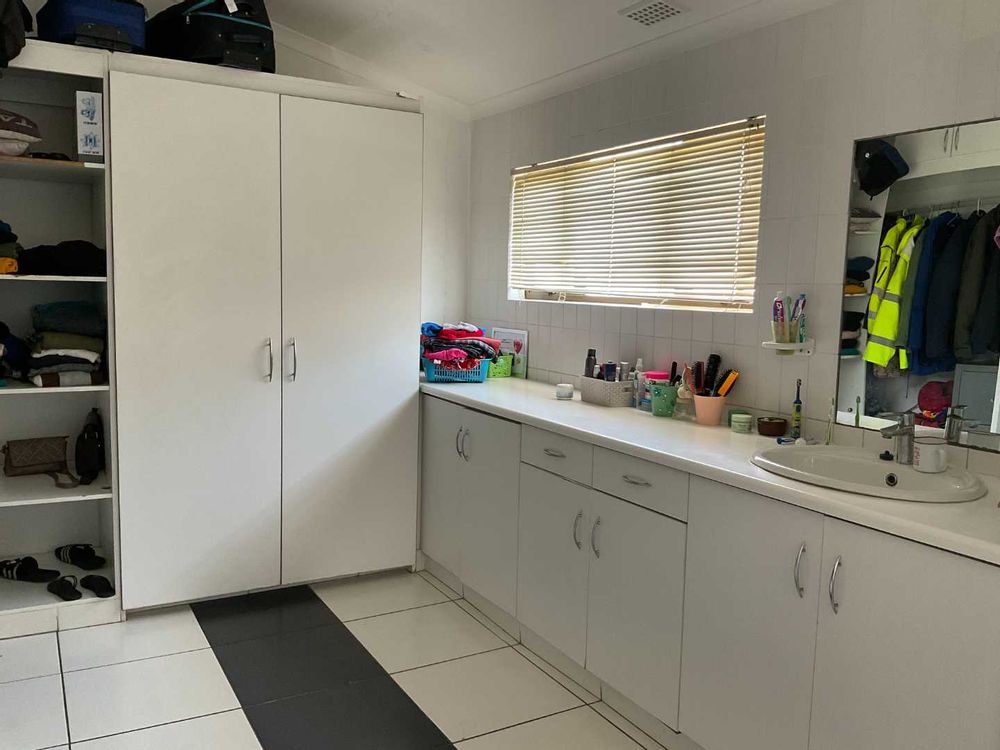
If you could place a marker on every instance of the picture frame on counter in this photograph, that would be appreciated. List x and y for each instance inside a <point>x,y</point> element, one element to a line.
<point>515,341</point>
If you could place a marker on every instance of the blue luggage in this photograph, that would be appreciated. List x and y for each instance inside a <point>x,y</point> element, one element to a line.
<point>109,24</point>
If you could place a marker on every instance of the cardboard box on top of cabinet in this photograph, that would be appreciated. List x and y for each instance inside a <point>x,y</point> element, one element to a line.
<point>89,124</point>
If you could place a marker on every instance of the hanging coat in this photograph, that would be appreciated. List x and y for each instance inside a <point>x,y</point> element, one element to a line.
<point>970,292</point>
<point>881,346</point>
<point>886,258</point>
<point>946,277</point>
<point>936,237</point>
<point>986,326</point>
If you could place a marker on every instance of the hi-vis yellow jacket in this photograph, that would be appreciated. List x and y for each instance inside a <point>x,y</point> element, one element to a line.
<point>883,329</point>
<point>886,259</point>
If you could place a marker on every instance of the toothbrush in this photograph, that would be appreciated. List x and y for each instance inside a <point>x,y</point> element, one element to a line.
<point>797,411</point>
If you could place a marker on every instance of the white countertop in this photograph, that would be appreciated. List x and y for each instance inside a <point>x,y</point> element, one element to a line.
<point>971,529</point>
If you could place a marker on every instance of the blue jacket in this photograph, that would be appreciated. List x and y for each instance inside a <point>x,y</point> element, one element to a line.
<point>946,277</point>
<point>937,233</point>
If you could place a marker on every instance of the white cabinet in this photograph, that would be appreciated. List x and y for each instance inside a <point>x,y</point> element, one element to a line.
<point>635,603</point>
<point>488,508</point>
<point>749,620</point>
<point>553,559</point>
<point>910,659</point>
<point>350,219</point>
<point>197,265</point>
<point>954,149</point>
<point>441,479</point>
<point>469,498</point>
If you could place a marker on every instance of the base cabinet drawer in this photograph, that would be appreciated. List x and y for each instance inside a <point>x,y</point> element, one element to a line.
<point>650,485</point>
<point>561,455</point>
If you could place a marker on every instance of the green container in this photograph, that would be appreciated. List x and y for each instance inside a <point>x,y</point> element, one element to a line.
<point>664,398</point>
<point>502,367</point>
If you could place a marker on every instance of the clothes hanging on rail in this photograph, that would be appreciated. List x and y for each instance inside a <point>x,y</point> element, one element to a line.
<point>942,296</point>
<point>974,269</point>
<point>938,233</point>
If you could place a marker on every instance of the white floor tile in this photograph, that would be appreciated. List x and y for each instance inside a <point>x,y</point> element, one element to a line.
<point>439,584</point>
<point>627,726</point>
<point>141,636</point>
<point>486,622</point>
<point>579,729</point>
<point>32,714</point>
<point>417,637</point>
<point>483,693</point>
<point>366,596</point>
<point>139,694</point>
<point>27,657</point>
<point>574,687</point>
<point>226,731</point>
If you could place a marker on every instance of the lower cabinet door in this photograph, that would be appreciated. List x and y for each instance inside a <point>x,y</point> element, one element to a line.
<point>749,620</point>
<point>488,510</point>
<point>636,603</point>
<point>441,481</point>
<point>910,658</point>
<point>552,560</point>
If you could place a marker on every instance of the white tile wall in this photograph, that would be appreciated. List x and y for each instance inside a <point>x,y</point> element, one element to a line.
<point>823,80</point>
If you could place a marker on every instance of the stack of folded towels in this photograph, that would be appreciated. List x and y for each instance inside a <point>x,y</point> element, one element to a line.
<point>857,273</point>
<point>68,346</point>
<point>850,332</point>
<point>9,249</point>
<point>457,346</point>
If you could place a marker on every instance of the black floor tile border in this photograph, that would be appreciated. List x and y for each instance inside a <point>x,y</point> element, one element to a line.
<point>304,681</point>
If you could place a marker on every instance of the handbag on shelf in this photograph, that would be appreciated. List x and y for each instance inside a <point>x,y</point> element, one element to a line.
<point>46,456</point>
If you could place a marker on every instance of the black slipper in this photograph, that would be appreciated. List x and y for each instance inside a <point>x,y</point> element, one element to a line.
<point>100,585</point>
<point>65,588</point>
<point>26,569</point>
<point>80,555</point>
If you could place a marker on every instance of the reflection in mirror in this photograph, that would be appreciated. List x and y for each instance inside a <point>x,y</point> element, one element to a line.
<point>920,328</point>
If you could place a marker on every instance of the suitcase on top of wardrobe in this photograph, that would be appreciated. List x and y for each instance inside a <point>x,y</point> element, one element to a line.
<point>233,33</point>
<point>109,24</point>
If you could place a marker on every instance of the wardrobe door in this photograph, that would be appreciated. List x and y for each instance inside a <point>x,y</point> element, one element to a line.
<point>351,222</point>
<point>197,296</point>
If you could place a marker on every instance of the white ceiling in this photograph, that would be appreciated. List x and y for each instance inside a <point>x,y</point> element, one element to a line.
<point>482,51</point>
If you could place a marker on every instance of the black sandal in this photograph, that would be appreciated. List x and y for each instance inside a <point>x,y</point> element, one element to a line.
<point>100,585</point>
<point>81,555</point>
<point>65,588</point>
<point>26,569</point>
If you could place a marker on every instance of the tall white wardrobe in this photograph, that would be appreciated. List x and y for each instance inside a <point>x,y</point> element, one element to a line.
<point>266,265</point>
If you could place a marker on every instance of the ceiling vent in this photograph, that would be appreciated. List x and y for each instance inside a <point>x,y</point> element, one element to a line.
<point>650,12</point>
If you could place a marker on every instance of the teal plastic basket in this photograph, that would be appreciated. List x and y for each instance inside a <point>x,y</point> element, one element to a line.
<point>437,374</point>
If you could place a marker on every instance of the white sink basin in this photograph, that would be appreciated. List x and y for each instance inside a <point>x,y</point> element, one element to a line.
<point>863,472</point>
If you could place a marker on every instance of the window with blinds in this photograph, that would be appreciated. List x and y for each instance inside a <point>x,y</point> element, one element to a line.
<point>669,222</point>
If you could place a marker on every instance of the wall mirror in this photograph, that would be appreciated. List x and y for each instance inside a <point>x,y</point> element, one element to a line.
<point>920,327</point>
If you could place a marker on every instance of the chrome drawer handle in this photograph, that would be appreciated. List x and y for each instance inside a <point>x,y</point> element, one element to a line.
<point>798,565</point>
<point>833,585</point>
<point>593,537</point>
<point>270,361</point>
<point>576,530</point>
<point>637,481</point>
<point>458,435</point>
<point>553,453</point>
<point>464,452</point>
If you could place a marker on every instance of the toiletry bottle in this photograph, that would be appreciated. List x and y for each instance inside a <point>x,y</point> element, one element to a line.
<point>796,432</point>
<point>591,364</point>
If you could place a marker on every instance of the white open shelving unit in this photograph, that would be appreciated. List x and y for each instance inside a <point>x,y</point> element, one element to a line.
<point>48,201</point>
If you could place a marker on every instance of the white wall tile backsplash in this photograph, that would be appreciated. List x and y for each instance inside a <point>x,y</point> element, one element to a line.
<point>823,80</point>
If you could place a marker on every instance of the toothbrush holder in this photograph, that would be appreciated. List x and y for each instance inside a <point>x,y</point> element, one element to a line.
<point>708,410</point>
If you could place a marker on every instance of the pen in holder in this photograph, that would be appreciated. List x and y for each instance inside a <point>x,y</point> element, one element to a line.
<point>785,332</point>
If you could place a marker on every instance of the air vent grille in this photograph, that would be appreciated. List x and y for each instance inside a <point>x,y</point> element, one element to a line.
<point>650,13</point>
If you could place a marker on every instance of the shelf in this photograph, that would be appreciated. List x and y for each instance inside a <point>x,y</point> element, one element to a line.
<point>64,279</point>
<point>798,348</point>
<point>50,170</point>
<point>17,388</point>
<point>856,294</point>
<point>40,490</point>
<point>20,595</point>
<point>850,356</point>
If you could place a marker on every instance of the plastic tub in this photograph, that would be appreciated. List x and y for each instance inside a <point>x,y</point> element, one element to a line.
<point>436,374</point>
<point>708,409</point>
<point>664,398</point>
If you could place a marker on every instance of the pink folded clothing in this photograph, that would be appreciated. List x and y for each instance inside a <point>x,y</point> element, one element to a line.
<point>458,333</point>
<point>495,343</point>
<point>447,355</point>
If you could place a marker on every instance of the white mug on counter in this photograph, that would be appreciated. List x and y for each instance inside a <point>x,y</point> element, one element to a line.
<point>930,455</point>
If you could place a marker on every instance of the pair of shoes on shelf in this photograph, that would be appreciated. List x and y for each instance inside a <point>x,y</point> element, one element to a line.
<point>66,587</point>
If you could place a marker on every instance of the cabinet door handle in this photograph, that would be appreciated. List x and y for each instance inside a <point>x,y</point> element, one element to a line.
<point>593,538</point>
<point>553,453</point>
<point>295,361</point>
<point>576,530</point>
<point>465,453</point>
<point>798,565</point>
<point>955,139</point>
<point>833,585</point>
<point>458,435</point>
<point>270,361</point>
<point>944,144</point>
<point>638,481</point>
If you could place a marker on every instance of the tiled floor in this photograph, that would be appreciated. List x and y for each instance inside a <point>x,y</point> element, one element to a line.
<point>388,661</point>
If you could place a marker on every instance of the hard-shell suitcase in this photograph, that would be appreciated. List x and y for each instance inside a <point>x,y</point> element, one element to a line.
<point>110,24</point>
<point>234,33</point>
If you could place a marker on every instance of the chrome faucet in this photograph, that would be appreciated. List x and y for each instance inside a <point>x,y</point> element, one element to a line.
<point>954,424</point>
<point>902,432</point>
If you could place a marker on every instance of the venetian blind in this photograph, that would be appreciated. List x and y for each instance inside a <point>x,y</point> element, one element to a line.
<point>671,221</point>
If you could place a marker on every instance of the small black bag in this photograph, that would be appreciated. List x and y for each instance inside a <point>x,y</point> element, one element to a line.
<point>233,33</point>
<point>15,20</point>
<point>879,165</point>
<point>90,459</point>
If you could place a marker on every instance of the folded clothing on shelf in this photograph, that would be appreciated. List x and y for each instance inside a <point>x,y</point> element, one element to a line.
<point>17,132</point>
<point>855,288</point>
<point>14,352</point>
<point>6,233</point>
<point>69,379</point>
<point>8,265</point>
<point>78,317</point>
<point>70,258</point>
<point>55,340</point>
